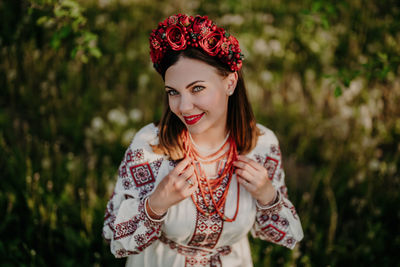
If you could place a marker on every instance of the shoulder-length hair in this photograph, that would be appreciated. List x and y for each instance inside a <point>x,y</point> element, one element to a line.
<point>240,119</point>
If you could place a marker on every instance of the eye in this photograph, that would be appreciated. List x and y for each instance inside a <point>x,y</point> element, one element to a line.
<point>197,89</point>
<point>172,92</point>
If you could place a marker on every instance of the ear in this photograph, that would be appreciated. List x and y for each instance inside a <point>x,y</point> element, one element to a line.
<point>231,81</point>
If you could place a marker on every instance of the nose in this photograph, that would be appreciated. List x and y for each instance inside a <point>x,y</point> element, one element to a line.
<point>186,104</point>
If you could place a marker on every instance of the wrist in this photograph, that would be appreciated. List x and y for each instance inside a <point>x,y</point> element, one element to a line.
<point>269,199</point>
<point>151,215</point>
<point>155,207</point>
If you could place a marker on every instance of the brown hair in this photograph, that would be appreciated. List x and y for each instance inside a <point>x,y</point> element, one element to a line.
<point>240,119</point>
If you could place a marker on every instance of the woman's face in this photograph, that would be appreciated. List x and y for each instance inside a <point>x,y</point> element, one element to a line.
<point>198,95</point>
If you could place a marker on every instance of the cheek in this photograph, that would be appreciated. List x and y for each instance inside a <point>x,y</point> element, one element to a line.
<point>214,100</point>
<point>217,101</point>
<point>173,105</point>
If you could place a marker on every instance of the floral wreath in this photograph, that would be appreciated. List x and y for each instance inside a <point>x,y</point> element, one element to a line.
<point>180,31</point>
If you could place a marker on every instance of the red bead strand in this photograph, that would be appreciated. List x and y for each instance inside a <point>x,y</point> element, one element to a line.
<point>213,184</point>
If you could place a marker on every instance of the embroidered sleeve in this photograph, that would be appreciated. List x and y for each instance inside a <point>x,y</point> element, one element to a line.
<point>277,223</point>
<point>127,226</point>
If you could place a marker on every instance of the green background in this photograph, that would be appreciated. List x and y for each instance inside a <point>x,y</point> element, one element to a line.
<point>76,83</point>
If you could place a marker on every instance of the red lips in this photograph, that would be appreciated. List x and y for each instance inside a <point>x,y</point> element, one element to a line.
<point>190,120</point>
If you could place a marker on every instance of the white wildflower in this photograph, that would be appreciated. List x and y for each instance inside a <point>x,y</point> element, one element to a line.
<point>230,19</point>
<point>117,116</point>
<point>97,123</point>
<point>275,46</point>
<point>135,114</point>
<point>143,80</point>
<point>260,47</point>
<point>266,76</point>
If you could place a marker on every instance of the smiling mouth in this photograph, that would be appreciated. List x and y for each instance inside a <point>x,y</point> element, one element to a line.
<point>193,119</point>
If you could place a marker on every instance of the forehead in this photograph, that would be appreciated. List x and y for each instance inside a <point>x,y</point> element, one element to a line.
<point>187,70</point>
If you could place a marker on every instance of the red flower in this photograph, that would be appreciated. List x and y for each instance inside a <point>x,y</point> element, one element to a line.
<point>176,38</point>
<point>155,43</point>
<point>200,26</point>
<point>238,66</point>
<point>156,54</point>
<point>184,21</point>
<point>225,47</point>
<point>172,20</point>
<point>211,43</point>
<point>233,41</point>
<point>179,31</point>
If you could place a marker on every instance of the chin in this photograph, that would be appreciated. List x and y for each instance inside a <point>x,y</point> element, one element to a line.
<point>196,129</point>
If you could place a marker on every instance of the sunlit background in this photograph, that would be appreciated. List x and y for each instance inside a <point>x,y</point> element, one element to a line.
<point>76,83</point>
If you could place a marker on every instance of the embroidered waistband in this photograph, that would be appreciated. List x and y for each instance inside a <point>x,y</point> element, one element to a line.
<point>195,251</point>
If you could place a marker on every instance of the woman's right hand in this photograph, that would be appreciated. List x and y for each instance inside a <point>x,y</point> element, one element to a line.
<point>179,184</point>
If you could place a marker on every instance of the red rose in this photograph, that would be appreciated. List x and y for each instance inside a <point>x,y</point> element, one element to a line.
<point>200,26</point>
<point>184,21</point>
<point>211,43</point>
<point>176,38</point>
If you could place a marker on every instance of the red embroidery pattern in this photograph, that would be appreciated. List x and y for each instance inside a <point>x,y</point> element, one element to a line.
<point>272,233</point>
<point>283,190</point>
<point>109,216</point>
<point>291,207</point>
<point>269,211</point>
<point>128,228</point>
<point>124,253</point>
<point>259,159</point>
<point>142,174</point>
<point>133,156</point>
<point>208,229</point>
<point>198,256</point>
<point>271,164</point>
<point>275,150</point>
<point>122,171</point>
<point>279,176</point>
<point>290,241</point>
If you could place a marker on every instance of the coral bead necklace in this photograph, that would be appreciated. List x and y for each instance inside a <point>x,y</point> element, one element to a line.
<point>208,188</point>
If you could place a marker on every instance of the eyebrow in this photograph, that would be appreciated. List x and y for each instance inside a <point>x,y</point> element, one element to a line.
<point>187,86</point>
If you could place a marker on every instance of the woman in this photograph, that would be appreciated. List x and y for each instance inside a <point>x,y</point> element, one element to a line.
<point>191,187</point>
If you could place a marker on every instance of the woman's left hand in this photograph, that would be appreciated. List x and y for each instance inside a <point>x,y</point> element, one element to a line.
<point>254,178</point>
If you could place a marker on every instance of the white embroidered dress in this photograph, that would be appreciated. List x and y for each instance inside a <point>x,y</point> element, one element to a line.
<point>186,237</point>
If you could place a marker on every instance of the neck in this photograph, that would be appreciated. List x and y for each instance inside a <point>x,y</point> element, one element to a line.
<point>209,141</point>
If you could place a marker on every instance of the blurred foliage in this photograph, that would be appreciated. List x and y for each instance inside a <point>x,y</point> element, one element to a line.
<point>77,83</point>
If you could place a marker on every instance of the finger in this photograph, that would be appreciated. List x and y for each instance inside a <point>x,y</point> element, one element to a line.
<point>185,180</point>
<point>243,166</point>
<point>187,172</point>
<point>188,188</point>
<point>250,161</point>
<point>193,188</point>
<point>181,165</point>
<point>244,174</point>
<point>257,179</point>
<point>248,186</point>
<point>190,182</point>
